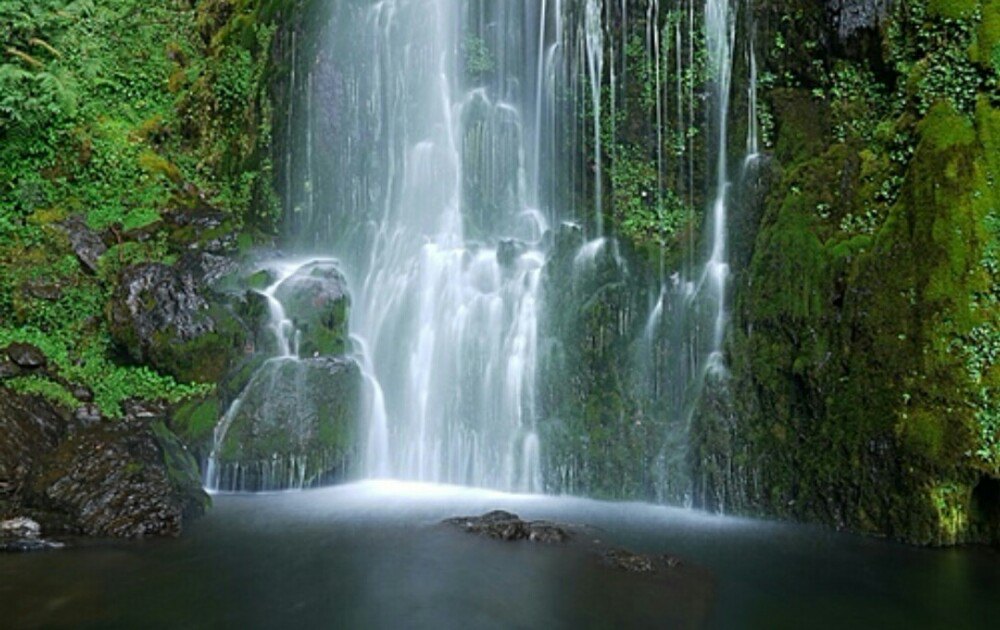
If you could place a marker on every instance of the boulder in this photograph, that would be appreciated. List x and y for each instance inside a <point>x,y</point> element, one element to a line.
<point>317,301</point>
<point>27,356</point>
<point>86,243</point>
<point>169,317</point>
<point>123,478</point>
<point>293,426</point>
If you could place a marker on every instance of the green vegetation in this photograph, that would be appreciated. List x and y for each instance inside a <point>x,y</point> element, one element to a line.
<point>123,113</point>
<point>874,289</point>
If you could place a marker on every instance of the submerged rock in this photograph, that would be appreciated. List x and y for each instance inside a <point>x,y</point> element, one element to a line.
<point>507,526</point>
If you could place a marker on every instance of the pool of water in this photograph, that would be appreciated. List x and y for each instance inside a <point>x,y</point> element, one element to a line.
<point>373,555</point>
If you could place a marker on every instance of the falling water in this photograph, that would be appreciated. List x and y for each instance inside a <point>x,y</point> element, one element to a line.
<point>441,115</point>
<point>441,145</point>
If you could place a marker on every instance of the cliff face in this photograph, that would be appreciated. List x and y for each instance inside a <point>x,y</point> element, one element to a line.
<point>864,343</point>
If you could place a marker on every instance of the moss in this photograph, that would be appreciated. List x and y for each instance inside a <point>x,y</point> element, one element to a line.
<point>953,9</point>
<point>196,418</point>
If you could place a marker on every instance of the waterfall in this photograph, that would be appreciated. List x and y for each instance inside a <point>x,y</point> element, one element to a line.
<point>449,153</point>
<point>720,31</point>
<point>431,137</point>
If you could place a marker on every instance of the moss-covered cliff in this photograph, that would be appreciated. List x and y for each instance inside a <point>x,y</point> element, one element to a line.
<point>864,346</point>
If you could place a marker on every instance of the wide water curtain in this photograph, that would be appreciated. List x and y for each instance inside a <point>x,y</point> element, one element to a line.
<point>425,179</point>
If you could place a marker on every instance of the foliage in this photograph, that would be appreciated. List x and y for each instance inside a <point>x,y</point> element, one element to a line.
<point>479,61</point>
<point>122,113</point>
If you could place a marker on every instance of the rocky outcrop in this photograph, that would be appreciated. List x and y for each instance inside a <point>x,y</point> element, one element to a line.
<point>173,318</point>
<point>125,478</point>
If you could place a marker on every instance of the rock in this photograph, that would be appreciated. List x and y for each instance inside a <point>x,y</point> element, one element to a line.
<point>30,430</point>
<point>851,16</point>
<point>87,414</point>
<point>202,229</point>
<point>123,478</point>
<point>169,317</point>
<point>316,299</point>
<point>112,480</point>
<point>42,290</point>
<point>507,526</point>
<point>628,561</point>
<point>508,251</point>
<point>21,535</point>
<point>294,425</point>
<point>27,545</point>
<point>8,369</point>
<point>502,525</point>
<point>86,243</point>
<point>82,393</point>
<point>26,356</point>
<point>21,527</point>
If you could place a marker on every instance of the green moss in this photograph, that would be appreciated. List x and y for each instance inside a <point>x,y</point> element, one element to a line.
<point>953,9</point>
<point>44,387</point>
<point>195,419</point>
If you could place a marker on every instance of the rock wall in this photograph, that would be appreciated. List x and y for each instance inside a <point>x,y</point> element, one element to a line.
<point>864,375</point>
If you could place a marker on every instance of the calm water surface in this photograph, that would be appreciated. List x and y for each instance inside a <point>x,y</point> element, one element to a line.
<point>372,555</point>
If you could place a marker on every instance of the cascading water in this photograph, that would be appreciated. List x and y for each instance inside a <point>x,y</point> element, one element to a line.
<point>720,31</point>
<point>440,114</point>
<point>448,152</point>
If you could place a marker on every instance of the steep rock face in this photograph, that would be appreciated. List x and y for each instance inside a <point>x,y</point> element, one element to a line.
<point>124,478</point>
<point>863,377</point>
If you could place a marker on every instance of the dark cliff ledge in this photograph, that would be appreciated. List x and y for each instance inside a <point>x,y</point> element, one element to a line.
<point>82,474</point>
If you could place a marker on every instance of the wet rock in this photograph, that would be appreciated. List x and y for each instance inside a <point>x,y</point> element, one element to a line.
<point>27,545</point>
<point>169,317</point>
<point>202,229</point>
<point>851,16</point>
<point>316,298</point>
<point>85,475</point>
<point>27,356</point>
<point>506,526</point>
<point>20,535</point>
<point>21,527</point>
<point>87,415</point>
<point>82,393</point>
<point>294,425</point>
<point>508,252</point>
<point>111,479</point>
<point>628,561</point>
<point>503,525</point>
<point>86,243</point>
<point>30,429</point>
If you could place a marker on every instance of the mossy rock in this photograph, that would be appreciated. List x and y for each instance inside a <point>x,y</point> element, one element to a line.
<point>315,298</point>
<point>294,425</point>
